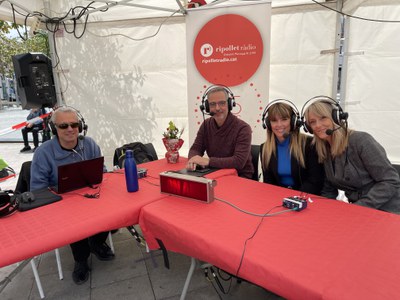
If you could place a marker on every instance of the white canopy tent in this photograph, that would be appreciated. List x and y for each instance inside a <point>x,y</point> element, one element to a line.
<point>128,88</point>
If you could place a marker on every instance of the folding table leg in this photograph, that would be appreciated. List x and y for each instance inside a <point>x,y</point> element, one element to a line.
<point>188,278</point>
<point>37,279</point>
<point>111,242</point>
<point>59,267</point>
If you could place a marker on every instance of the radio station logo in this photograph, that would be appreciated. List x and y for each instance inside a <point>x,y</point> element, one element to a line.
<point>206,50</point>
<point>228,49</point>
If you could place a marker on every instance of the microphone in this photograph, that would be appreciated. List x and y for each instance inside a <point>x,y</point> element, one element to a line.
<point>76,152</point>
<point>331,131</point>
<point>80,144</point>
<point>211,113</point>
<point>285,135</point>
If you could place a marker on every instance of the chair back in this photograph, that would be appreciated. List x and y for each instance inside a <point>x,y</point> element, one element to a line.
<point>24,178</point>
<point>255,154</point>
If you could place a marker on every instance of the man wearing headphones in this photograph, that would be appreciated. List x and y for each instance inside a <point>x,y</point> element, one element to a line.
<point>67,146</point>
<point>225,138</point>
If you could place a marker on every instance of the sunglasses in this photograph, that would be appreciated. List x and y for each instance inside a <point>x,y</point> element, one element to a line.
<point>65,125</point>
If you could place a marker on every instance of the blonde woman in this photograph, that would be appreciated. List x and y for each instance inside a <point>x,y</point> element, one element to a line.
<point>288,158</point>
<point>353,160</point>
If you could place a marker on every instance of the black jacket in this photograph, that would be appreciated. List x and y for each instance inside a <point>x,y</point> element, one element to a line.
<point>308,180</point>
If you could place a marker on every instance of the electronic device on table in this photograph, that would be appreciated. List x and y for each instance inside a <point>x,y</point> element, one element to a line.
<point>198,188</point>
<point>85,173</point>
<point>295,202</point>
<point>198,172</point>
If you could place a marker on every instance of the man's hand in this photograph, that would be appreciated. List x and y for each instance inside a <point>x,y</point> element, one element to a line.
<point>197,161</point>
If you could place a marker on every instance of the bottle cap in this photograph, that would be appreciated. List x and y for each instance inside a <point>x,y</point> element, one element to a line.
<point>129,153</point>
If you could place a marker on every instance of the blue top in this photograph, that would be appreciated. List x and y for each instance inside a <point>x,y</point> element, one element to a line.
<point>284,163</point>
<point>50,155</point>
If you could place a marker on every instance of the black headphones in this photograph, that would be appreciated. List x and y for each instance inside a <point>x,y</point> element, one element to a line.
<point>339,116</point>
<point>205,106</point>
<point>82,125</point>
<point>8,203</point>
<point>295,120</point>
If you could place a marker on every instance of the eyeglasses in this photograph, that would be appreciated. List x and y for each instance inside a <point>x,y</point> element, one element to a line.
<point>65,125</point>
<point>220,104</point>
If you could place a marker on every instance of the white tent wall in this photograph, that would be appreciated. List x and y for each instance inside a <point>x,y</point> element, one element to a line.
<point>127,90</point>
<point>373,89</point>
<point>298,69</point>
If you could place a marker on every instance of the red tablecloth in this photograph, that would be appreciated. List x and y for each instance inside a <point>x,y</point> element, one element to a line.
<point>26,234</point>
<point>29,233</point>
<point>331,250</point>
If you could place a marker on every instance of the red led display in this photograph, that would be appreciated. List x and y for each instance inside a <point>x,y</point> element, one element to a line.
<point>184,188</point>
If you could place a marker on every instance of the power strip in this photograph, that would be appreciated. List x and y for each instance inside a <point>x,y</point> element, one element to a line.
<point>295,203</point>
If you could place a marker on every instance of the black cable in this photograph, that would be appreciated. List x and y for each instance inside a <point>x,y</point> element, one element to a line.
<point>15,22</point>
<point>252,236</point>
<point>355,17</point>
<point>206,274</point>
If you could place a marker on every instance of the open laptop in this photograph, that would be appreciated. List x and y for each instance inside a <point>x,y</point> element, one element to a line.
<point>85,173</point>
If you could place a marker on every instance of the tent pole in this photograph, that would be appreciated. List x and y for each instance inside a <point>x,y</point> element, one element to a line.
<point>336,84</point>
<point>56,74</point>
<point>343,81</point>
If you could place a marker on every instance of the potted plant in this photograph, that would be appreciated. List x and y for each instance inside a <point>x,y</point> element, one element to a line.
<point>172,142</point>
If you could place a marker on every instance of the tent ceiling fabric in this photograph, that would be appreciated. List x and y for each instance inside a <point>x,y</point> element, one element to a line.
<point>124,10</point>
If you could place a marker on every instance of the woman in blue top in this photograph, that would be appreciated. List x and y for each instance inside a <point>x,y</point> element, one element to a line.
<point>288,157</point>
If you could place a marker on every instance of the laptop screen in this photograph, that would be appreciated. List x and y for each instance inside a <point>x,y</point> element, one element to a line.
<point>85,173</point>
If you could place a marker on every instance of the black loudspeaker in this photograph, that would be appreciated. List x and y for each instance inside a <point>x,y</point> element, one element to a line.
<point>295,120</point>
<point>82,125</point>
<point>35,83</point>
<point>338,115</point>
<point>205,107</point>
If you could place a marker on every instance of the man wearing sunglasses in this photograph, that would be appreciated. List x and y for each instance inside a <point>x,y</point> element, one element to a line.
<point>225,137</point>
<point>67,146</point>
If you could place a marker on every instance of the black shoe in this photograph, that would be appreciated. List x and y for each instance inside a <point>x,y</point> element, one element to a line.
<point>102,252</point>
<point>26,148</point>
<point>81,272</point>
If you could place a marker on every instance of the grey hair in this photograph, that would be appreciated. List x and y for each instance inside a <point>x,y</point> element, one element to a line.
<point>63,109</point>
<point>218,89</point>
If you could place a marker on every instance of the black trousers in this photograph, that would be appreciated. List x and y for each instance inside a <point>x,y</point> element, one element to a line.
<point>35,133</point>
<point>81,249</point>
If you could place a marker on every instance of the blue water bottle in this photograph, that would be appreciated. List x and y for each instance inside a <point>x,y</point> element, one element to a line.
<point>131,176</point>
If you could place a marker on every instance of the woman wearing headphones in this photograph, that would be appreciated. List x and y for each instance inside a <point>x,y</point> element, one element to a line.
<point>354,161</point>
<point>287,157</point>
